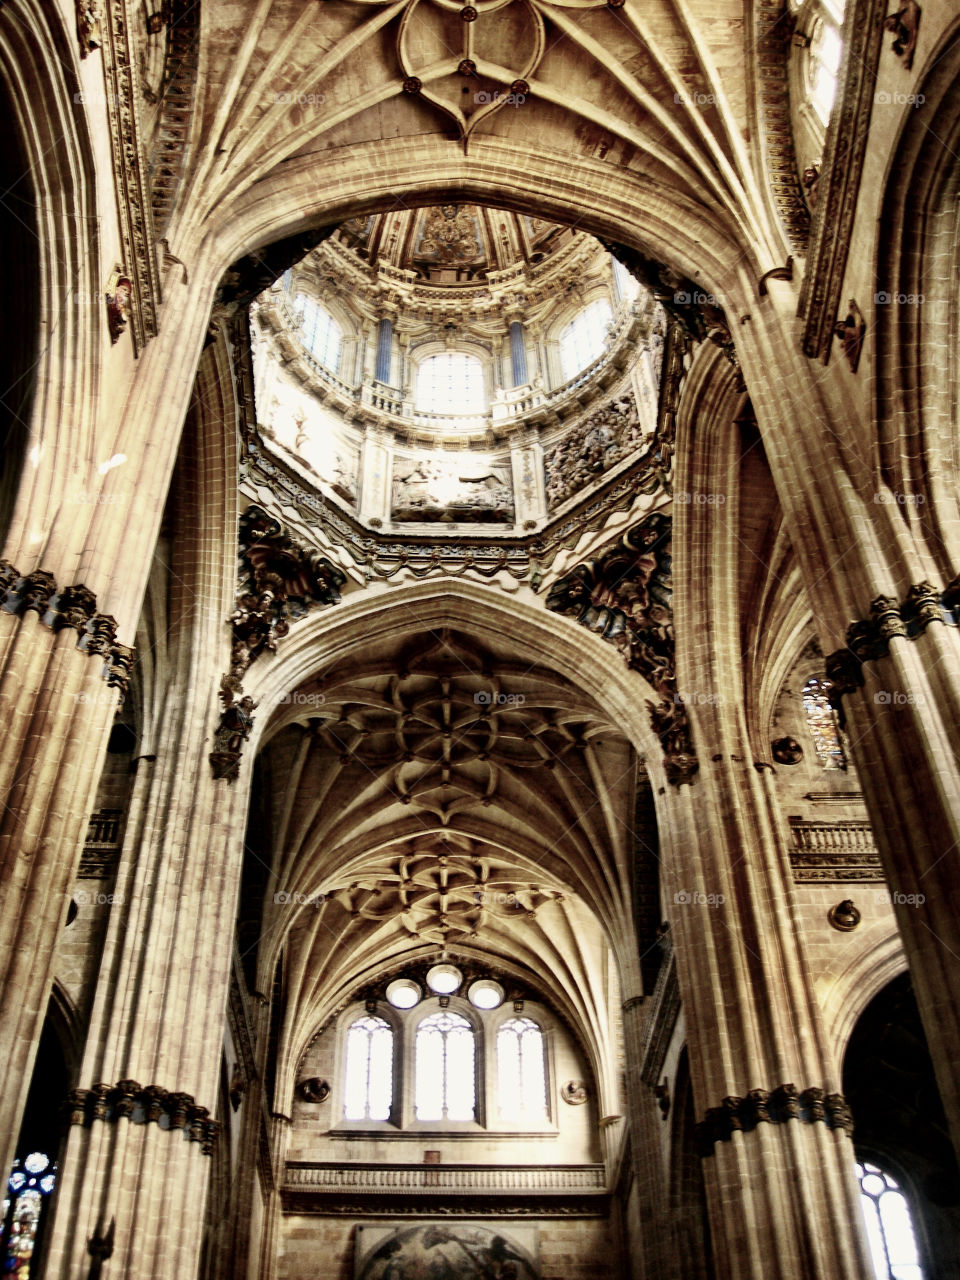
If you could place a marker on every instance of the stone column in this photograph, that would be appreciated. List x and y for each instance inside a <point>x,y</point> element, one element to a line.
<point>526,456</point>
<point>774,1130</point>
<point>99,526</point>
<point>136,1156</point>
<point>886,614</point>
<point>518,354</point>
<point>384,350</point>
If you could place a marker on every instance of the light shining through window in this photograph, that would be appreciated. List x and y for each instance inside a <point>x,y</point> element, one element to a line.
<point>893,1245</point>
<point>822,723</point>
<point>320,333</point>
<point>368,1093</point>
<point>445,1068</point>
<point>520,1068</point>
<point>451,382</point>
<point>584,338</point>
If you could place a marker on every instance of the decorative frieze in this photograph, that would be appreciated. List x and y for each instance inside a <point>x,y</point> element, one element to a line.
<point>100,851</point>
<point>838,185</point>
<point>625,597</point>
<point>169,158</point>
<point>774,28</point>
<point>777,1106</point>
<point>143,1104</point>
<point>134,213</point>
<point>73,608</point>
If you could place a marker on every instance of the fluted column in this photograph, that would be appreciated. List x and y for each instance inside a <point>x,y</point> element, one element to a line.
<point>384,350</point>
<point>87,517</point>
<point>518,354</point>
<point>778,1160</point>
<point>137,1152</point>
<point>875,578</point>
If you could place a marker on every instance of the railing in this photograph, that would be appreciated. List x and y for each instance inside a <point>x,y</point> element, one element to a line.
<point>447,1178</point>
<point>513,407</point>
<point>832,837</point>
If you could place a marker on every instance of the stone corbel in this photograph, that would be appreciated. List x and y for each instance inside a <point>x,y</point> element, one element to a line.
<point>139,1104</point>
<point>776,1106</point>
<point>904,24</point>
<point>74,608</point>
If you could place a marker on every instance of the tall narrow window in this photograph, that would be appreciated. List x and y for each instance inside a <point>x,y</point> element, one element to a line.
<point>520,1068</point>
<point>446,1068</point>
<point>822,722</point>
<point>626,285</point>
<point>319,332</point>
<point>824,55</point>
<point>368,1091</point>
<point>893,1245</point>
<point>451,382</point>
<point>584,338</point>
<point>27,1188</point>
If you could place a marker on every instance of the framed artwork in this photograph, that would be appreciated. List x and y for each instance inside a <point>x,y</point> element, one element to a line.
<point>446,1251</point>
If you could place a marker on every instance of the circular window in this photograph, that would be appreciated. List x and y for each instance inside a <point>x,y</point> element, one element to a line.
<point>444,979</point>
<point>403,993</point>
<point>486,994</point>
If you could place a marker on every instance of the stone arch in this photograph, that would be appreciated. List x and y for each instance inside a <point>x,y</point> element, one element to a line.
<point>916,319</point>
<point>63,300</point>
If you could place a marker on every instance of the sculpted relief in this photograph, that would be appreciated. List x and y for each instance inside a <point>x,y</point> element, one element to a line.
<point>452,488</point>
<point>600,441</point>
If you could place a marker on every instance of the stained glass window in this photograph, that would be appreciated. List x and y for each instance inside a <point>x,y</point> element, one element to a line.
<point>28,1186</point>
<point>319,332</point>
<point>893,1245</point>
<point>451,382</point>
<point>520,1069</point>
<point>446,1068</point>
<point>368,1089</point>
<point>822,722</point>
<point>583,340</point>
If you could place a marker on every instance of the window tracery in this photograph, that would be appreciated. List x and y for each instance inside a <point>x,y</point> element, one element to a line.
<point>445,1068</point>
<point>521,1070</point>
<point>368,1077</point>
<point>890,1233</point>
<point>28,1187</point>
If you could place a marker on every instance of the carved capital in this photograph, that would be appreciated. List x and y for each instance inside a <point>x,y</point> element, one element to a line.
<point>921,607</point>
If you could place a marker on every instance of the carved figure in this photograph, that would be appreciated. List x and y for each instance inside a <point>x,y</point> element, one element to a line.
<point>904,23</point>
<point>118,297</point>
<point>851,332</point>
<point>787,751</point>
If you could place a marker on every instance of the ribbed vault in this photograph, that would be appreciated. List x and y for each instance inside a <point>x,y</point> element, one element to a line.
<point>443,798</point>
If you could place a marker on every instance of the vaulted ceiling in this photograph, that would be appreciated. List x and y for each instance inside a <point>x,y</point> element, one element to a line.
<point>656,93</point>
<point>442,798</point>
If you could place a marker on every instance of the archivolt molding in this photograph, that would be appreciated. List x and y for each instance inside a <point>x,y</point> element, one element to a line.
<point>854,987</point>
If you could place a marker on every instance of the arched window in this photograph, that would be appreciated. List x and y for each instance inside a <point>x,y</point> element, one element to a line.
<point>319,332</point>
<point>445,1068</point>
<point>823,56</point>
<point>822,723</point>
<point>893,1244</point>
<point>368,1089</point>
<point>626,285</point>
<point>451,382</point>
<point>520,1070</point>
<point>27,1188</point>
<point>583,340</point>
